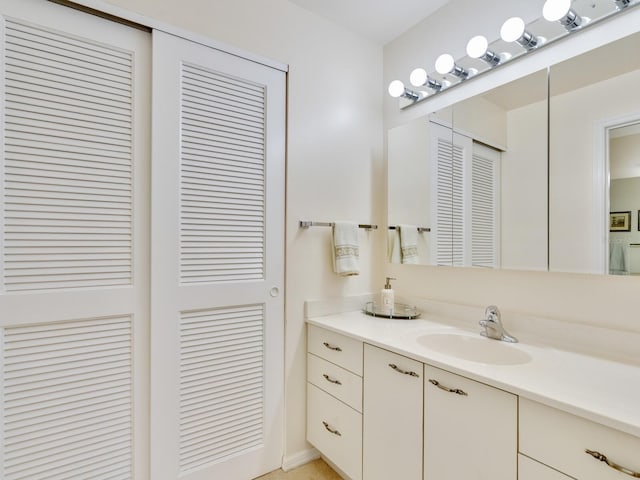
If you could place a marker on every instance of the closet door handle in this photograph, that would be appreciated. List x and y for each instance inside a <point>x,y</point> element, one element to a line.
<point>331,380</point>
<point>331,347</point>
<point>457,391</point>
<point>331,430</point>
<point>615,466</point>
<point>399,370</point>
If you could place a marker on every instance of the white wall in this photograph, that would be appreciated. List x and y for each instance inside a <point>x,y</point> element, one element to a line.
<point>334,148</point>
<point>624,156</point>
<point>524,189</point>
<point>590,299</point>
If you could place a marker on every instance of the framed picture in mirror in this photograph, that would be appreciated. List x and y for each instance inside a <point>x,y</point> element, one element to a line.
<point>620,221</point>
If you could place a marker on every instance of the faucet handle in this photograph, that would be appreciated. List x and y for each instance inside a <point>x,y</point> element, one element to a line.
<point>492,312</point>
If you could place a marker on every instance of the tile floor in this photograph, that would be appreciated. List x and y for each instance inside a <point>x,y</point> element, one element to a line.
<point>316,470</point>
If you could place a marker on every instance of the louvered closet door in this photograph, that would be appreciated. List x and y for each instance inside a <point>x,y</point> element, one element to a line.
<point>74,287</point>
<point>217,264</point>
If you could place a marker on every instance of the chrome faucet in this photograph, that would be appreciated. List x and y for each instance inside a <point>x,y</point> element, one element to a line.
<point>493,326</point>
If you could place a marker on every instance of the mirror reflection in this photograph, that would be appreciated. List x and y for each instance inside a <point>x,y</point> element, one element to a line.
<point>412,179</point>
<point>476,176</point>
<point>496,190</point>
<point>624,194</point>
<point>594,112</point>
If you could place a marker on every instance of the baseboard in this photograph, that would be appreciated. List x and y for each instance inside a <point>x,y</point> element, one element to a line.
<point>290,462</point>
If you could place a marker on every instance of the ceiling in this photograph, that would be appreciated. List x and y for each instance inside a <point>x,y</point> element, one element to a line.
<point>377,20</point>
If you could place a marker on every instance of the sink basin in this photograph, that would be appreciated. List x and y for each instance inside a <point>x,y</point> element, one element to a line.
<point>474,349</point>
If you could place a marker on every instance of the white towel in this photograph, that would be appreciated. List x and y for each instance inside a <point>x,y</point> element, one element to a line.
<point>394,246</point>
<point>619,258</point>
<point>345,249</point>
<point>409,243</point>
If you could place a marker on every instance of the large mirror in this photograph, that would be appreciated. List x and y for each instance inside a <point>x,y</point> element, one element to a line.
<point>566,199</point>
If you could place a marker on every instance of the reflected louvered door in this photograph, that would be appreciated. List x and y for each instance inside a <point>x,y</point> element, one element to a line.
<point>485,221</point>
<point>441,189</point>
<point>74,283</point>
<point>450,161</point>
<point>459,213</point>
<point>217,264</point>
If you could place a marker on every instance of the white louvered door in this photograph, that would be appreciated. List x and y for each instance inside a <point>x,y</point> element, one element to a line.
<point>485,212</point>
<point>217,264</point>
<point>73,271</point>
<point>449,158</point>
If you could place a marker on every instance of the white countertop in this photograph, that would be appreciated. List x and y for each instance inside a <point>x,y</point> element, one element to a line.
<point>600,390</point>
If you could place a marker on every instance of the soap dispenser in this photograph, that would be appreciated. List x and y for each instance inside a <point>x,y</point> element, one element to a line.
<point>387,297</point>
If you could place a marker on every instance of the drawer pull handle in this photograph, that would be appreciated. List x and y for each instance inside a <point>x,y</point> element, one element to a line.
<point>331,430</point>
<point>447,389</point>
<point>615,466</point>
<point>399,370</point>
<point>331,347</point>
<point>331,380</point>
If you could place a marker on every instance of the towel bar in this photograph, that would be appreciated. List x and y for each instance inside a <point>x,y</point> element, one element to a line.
<point>307,224</point>
<point>420,229</point>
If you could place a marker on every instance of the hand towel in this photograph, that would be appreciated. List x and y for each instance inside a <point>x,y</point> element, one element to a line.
<point>345,249</point>
<point>409,243</point>
<point>394,246</point>
<point>619,258</point>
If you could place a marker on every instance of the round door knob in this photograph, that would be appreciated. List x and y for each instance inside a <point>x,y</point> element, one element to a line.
<point>274,292</point>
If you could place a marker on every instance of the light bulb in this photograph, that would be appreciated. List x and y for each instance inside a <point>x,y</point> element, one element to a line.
<point>477,46</point>
<point>396,89</point>
<point>554,10</point>
<point>445,64</point>
<point>512,29</point>
<point>418,77</point>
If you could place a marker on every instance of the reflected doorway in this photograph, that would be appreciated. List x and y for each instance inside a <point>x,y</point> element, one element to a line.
<point>624,199</point>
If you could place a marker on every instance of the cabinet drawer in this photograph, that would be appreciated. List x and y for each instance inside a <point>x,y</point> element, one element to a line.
<point>336,348</point>
<point>531,470</point>
<point>335,430</point>
<point>337,381</point>
<point>559,439</point>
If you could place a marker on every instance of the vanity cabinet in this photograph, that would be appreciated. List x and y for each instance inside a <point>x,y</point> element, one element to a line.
<point>376,414</point>
<point>561,440</point>
<point>392,429</point>
<point>470,429</point>
<point>334,398</point>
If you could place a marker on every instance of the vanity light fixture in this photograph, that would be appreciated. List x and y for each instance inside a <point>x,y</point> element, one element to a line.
<point>478,47</point>
<point>419,78</point>
<point>561,11</point>
<point>446,64</point>
<point>513,30</point>
<point>398,90</point>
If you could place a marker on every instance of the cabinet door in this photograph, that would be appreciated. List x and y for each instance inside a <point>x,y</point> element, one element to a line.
<point>470,429</point>
<point>392,430</point>
<point>531,470</point>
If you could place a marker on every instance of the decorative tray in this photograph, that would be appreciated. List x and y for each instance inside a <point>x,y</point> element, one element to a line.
<point>400,311</point>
